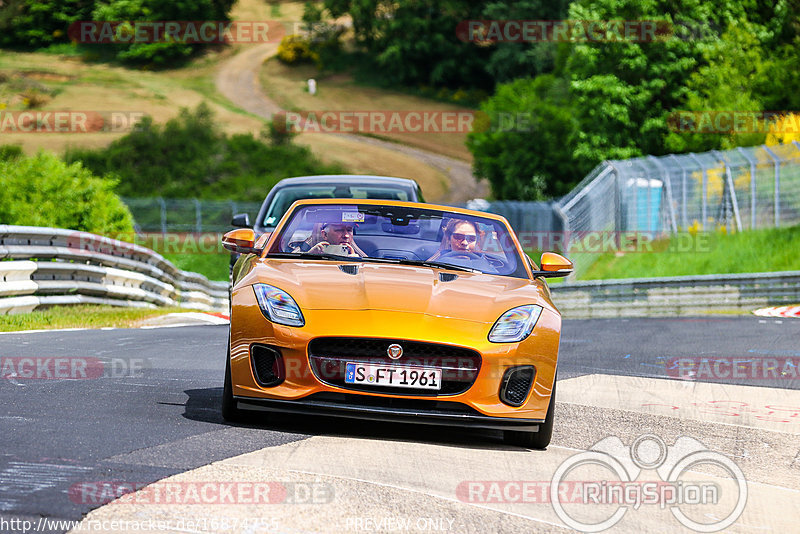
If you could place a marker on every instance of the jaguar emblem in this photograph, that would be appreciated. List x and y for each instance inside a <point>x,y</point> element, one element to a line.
<point>394,351</point>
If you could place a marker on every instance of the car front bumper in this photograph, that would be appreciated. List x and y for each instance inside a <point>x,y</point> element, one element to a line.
<point>300,390</point>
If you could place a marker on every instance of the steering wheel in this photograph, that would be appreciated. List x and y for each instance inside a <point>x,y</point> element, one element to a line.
<point>461,254</point>
<point>477,261</point>
<point>496,262</point>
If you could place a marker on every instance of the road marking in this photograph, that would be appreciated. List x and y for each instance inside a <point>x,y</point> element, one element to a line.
<point>779,311</point>
<point>44,330</point>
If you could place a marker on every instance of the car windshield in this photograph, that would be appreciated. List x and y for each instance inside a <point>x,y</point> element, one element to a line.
<point>288,195</point>
<point>398,234</point>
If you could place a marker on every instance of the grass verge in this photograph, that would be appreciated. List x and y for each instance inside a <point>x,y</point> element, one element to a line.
<point>212,266</point>
<point>81,316</point>
<point>753,251</point>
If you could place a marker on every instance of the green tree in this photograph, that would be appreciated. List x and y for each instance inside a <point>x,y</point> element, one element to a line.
<point>39,23</point>
<point>44,191</point>
<point>414,42</point>
<point>523,60</point>
<point>622,93</point>
<point>525,149</point>
<point>735,68</point>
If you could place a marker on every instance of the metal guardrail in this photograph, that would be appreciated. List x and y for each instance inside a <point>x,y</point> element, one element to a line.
<point>82,268</point>
<point>675,296</point>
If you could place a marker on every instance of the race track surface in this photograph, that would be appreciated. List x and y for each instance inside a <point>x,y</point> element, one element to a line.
<point>146,408</point>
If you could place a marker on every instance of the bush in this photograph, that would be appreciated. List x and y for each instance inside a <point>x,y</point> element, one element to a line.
<point>45,191</point>
<point>42,23</point>
<point>190,156</point>
<point>9,152</point>
<point>295,49</point>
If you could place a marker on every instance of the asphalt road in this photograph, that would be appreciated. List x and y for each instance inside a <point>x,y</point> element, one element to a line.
<point>148,408</point>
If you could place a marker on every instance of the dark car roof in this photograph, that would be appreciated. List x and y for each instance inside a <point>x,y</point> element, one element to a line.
<point>346,179</point>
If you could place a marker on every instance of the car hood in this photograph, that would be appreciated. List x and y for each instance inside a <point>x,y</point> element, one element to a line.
<point>321,285</point>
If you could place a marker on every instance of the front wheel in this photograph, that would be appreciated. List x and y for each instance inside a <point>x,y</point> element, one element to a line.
<point>535,440</point>
<point>230,410</point>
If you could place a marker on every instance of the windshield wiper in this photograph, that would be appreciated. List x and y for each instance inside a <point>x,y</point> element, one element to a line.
<point>438,265</point>
<point>335,257</point>
<point>307,256</point>
<point>396,261</point>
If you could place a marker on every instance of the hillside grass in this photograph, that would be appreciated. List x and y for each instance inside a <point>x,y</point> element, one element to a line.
<point>767,250</point>
<point>287,86</point>
<point>69,79</point>
<point>72,83</point>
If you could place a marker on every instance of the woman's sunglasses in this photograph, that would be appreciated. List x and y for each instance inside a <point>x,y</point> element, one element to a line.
<point>470,238</point>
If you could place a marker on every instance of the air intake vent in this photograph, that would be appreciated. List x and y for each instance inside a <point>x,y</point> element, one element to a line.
<point>447,277</point>
<point>516,384</point>
<point>349,269</point>
<point>267,365</point>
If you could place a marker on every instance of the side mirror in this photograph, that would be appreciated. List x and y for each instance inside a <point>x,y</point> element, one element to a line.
<point>241,240</point>
<point>241,220</point>
<point>554,266</point>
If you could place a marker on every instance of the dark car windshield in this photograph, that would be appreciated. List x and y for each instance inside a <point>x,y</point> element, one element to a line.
<point>288,195</point>
<point>400,234</point>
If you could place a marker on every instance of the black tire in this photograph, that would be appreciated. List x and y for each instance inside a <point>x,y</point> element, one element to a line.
<point>535,440</point>
<point>230,410</point>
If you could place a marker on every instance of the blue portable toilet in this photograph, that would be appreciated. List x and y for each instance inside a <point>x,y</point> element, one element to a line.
<point>642,204</point>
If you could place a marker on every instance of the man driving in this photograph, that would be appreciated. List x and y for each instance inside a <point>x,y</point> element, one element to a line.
<point>336,234</point>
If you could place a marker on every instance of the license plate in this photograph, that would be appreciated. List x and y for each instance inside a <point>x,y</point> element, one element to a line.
<point>393,376</point>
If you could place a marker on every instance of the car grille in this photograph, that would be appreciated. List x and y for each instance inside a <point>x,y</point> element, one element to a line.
<point>516,384</point>
<point>329,356</point>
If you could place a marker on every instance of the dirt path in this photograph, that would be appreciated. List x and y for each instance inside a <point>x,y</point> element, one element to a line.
<point>237,80</point>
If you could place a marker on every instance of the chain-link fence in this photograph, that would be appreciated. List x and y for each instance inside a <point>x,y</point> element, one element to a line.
<point>739,189</point>
<point>168,215</point>
<point>172,215</point>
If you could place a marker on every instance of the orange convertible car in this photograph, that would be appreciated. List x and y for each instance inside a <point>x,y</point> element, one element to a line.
<point>390,310</point>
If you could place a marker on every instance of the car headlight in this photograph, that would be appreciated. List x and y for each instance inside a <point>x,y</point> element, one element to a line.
<point>278,306</point>
<point>516,324</point>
